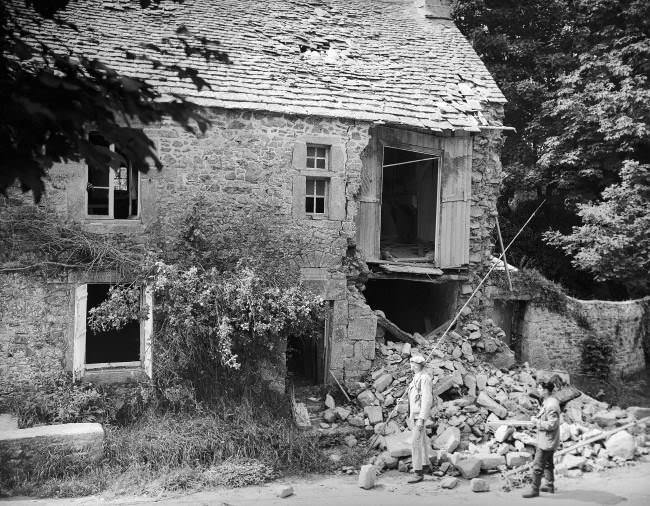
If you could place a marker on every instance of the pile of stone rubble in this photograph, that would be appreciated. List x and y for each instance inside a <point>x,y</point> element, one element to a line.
<point>476,384</point>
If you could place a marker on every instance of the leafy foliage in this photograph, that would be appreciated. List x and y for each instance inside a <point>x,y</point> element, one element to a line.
<point>575,74</point>
<point>596,357</point>
<point>613,241</point>
<point>52,96</point>
<point>227,293</point>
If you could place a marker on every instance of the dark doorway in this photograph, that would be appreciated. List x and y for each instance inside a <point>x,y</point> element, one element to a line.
<point>408,204</point>
<point>308,356</point>
<point>115,345</point>
<point>509,315</point>
<point>413,306</point>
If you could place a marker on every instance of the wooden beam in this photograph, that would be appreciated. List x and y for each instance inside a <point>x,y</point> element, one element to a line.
<point>394,330</point>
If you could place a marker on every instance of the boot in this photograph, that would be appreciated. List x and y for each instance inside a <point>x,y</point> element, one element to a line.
<point>549,487</point>
<point>533,492</point>
<point>419,476</point>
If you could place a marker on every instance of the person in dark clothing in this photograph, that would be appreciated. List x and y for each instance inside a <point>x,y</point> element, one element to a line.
<point>548,440</point>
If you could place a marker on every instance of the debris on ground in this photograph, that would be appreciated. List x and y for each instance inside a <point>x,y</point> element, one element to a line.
<point>482,403</point>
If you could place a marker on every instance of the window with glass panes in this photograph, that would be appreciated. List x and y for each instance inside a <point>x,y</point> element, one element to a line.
<point>112,193</point>
<point>316,195</point>
<point>317,157</point>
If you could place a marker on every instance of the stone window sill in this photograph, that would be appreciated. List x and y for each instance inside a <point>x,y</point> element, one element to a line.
<point>111,374</point>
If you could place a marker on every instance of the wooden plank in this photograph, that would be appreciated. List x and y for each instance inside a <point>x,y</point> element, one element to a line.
<point>394,330</point>
<point>411,269</point>
<point>79,342</point>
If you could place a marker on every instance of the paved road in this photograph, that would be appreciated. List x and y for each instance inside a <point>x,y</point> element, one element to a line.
<point>626,486</point>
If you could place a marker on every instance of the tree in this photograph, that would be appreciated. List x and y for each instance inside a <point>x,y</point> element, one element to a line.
<point>51,97</point>
<point>575,74</point>
<point>613,241</point>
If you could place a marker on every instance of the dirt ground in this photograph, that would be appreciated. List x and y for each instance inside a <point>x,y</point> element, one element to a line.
<point>629,486</point>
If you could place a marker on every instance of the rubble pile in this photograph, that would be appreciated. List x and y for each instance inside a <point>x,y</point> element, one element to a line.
<point>475,386</point>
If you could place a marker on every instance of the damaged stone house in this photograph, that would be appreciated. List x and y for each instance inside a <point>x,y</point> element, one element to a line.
<point>374,124</point>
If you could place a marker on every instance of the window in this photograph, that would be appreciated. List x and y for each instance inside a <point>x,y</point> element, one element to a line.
<point>316,196</point>
<point>112,192</point>
<point>317,157</point>
<point>127,349</point>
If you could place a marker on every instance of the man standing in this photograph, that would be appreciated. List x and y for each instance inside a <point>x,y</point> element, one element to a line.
<point>548,439</point>
<point>420,400</point>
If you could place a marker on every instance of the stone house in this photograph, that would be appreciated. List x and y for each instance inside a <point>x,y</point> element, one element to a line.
<point>373,125</point>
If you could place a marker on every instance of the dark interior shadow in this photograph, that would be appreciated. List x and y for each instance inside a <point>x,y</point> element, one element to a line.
<point>591,496</point>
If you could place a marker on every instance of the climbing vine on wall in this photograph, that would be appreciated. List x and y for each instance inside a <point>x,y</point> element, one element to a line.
<point>596,355</point>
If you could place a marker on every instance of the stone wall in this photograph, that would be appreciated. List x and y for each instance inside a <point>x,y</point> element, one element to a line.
<point>553,341</point>
<point>243,159</point>
<point>487,177</point>
<point>35,329</point>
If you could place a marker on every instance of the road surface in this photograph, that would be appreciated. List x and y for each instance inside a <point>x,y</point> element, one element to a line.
<point>629,486</point>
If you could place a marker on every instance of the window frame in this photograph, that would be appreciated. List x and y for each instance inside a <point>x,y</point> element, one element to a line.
<point>327,156</point>
<point>111,192</point>
<point>79,365</point>
<point>325,197</point>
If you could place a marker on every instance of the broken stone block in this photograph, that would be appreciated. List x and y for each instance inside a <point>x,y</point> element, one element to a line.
<point>342,412</point>
<point>388,401</point>
<point>490,460</point>
<point>406,349</point>
<point>374,414</point>
<point>518,459</point>
<point>573,462</point>
<point>457,352</point>
<point>621,444</point>
<point>387,428</point>
<point>329,415</point>
<point>468,467</point>
<point>503,433</point>
<point>387,460</point>
<point>481,381</point>
<point>480,485</point>
<point>605,418</point>
<point>448,440</point>
<point>457,377</point>
<point>284,491</point>
<point>367,477</point>
<point>329,401</point>
<point>366,398</point>
<point>350,441</point>
<point>399,444</point>
<point>449,483</point>
<point>504,359</point>
<point>383,382</point>
<point>443,385</point>
<point>356,421</point>
<point>402,466</point>
<point>324,425</point>
<point>470,382</point>
<point>487,402</point>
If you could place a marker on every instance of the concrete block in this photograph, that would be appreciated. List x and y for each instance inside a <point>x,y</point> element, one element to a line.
<point>284,491</point>
<point>449,483</point>
<point>383,382</point>
<point>486,401</point>
<point>448,440</point>
<point>621,444</point>
<point>374,414</point>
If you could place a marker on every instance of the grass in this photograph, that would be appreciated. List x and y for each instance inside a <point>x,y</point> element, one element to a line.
<point>234,444</point>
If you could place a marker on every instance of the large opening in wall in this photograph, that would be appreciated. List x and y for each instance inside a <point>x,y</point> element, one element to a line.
<point>414,306</point>
<point>113,346</point>
<point>509,315</point>
<point>308,355</point>
<point>409,204</point>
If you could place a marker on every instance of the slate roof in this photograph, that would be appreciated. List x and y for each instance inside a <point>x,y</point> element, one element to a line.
<point>373,60</point>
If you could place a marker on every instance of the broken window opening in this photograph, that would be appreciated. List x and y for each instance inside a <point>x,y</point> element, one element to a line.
<point>308,355</point>
<point>409,205</point>
<point>413,306</point>
<point>114,346</point>
<point>112,192</point>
